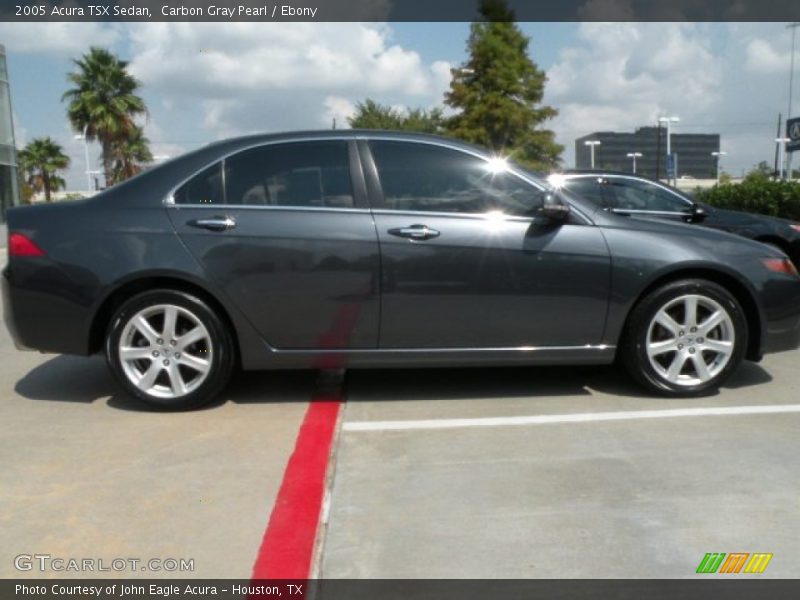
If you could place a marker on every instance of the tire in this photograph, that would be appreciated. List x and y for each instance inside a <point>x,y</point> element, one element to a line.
<point>665,355</point>
<point>169,372</point>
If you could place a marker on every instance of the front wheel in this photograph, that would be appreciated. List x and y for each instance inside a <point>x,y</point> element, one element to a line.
<point>169,349</point>
<point>685,338</point>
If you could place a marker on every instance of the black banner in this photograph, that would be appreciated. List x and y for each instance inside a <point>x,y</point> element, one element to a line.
<point>395,10</point>
<point>700,588</point>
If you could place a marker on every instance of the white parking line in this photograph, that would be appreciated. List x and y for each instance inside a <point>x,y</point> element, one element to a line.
<point>628,415</point>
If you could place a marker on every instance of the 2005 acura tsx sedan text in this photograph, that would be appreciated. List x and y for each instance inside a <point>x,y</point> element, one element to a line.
<point>370,249</point>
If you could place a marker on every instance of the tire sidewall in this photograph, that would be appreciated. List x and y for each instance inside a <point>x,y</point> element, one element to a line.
<point>221,361</point>
<point>638,361</point>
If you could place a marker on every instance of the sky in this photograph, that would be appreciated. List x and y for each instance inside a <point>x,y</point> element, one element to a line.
<point>207,81</point>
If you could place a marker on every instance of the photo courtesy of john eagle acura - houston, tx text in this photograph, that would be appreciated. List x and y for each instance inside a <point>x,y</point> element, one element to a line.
<point>357,248</point>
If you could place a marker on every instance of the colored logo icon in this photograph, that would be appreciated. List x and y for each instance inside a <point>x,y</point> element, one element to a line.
<point>735,562</point>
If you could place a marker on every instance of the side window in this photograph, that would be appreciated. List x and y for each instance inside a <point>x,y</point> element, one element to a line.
<point>429,178</point>
<point>630,194</point>
<point>203,188</point>
<point>292,174</point>
<point>588,188</point>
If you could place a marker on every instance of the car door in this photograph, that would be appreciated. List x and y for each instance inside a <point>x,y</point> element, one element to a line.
<point>283,229</point>
<point>466,261</point>
<point>638,197</point>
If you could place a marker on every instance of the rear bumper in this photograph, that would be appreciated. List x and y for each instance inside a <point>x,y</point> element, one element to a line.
<point>39,312</point>
<point>8,312</point>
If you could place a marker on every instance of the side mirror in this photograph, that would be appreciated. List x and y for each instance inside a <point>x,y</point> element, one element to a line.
<point>553,209</point>
<point>697,213</point>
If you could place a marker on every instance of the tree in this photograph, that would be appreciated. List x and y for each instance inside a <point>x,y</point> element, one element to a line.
<point>130,154</point>
<point>371,115</point>
<point>498,91</point>
<point>103,103</point>
<point>40,160</point>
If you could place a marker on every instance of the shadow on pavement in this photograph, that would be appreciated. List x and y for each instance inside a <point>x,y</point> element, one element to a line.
<point>513,382</point>
<point>86,380</point>
<point>80,379</point>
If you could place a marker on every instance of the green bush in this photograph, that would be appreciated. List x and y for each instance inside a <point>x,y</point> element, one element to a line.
<point>757,193</point>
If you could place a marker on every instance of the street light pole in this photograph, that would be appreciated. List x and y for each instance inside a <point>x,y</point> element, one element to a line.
<point>634,156</point>
<point>718,155</point>
<point>82,136</point>
<point>781,141</point>
<point>669,121</point>
<point>793,27</point>
<point>592,144</point>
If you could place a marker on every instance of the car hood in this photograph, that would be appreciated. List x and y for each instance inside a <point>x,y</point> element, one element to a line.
<point>706,237</point>
<point>739,218</point>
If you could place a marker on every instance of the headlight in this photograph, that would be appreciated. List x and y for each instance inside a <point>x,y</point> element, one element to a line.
<point>795,226</point>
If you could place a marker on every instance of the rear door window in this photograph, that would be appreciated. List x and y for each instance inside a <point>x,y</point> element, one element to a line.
<point>302,174</point>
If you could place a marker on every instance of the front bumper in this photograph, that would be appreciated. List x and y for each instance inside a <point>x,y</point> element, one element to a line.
<point>780,303</point>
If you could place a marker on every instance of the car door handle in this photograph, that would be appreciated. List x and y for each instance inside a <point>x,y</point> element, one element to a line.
<point>214,224</point>
<point>415,232</point>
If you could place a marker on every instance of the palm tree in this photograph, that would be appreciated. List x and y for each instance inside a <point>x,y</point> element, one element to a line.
<point>103,103</point>
<point>130,154</point>
<point>40,160</point>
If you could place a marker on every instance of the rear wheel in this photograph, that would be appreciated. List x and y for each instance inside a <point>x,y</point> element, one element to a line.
<point>685,338</point>
<point>169,349</point>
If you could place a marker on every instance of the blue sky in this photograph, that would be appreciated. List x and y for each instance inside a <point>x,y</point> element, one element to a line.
<point>207,81</point>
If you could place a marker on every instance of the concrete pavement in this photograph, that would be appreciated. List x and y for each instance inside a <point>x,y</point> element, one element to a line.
<point>596,499</point>
<point>86,474</point>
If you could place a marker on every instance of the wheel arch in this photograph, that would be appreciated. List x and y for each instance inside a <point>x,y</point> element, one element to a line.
<point>128,289</point>
<point>731,283</point>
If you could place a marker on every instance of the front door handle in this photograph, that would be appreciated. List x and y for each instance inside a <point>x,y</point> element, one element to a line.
<point>214,224</point>
<point>415,232</point>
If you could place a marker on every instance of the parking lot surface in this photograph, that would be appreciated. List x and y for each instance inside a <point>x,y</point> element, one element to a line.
<point>434,473</point>
<point>623,498</point>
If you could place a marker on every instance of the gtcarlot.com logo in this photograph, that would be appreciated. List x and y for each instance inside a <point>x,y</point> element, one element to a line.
<point>735,562</point>
<point>47,562</point>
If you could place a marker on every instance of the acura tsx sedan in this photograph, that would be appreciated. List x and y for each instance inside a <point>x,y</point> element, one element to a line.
<point>342,249</point>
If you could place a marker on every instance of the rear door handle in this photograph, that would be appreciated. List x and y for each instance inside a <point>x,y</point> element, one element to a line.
<point>213,224</point>
<point>415,232</point>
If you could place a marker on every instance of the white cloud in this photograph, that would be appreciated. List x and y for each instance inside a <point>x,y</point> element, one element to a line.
<point>763,57</point>
<point>56,38</point>
<point>337,110</point>
<point>260,76</point>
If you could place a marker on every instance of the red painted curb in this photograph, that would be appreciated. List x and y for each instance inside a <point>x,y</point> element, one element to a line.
<point>287,548</point>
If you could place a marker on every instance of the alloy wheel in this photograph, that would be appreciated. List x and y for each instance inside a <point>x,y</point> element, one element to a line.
<point>165,351</point>
<point>690,340</point>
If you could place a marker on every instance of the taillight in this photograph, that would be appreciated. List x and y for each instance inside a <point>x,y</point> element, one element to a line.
<point>22,245</point>
<point>781,265</point>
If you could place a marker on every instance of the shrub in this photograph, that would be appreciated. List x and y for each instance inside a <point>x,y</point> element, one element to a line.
<point>756,194</point>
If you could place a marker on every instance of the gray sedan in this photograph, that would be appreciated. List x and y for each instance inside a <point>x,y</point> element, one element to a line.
<point>366,249</point>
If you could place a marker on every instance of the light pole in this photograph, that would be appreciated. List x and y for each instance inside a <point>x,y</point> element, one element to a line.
<point>793,27</point>
<point>669,121</point>
<point>634,156</point>
<point>781,141</point>
<point>82,136</point>
<point>592,144</point>
<point>717,156</point>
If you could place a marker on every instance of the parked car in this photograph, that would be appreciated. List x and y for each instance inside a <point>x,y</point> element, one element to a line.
<point>370,249</point>
<point>637,196</point>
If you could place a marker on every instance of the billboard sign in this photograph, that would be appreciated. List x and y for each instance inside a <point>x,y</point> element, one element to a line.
<point>793,133</point>
<point>672,166</point>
